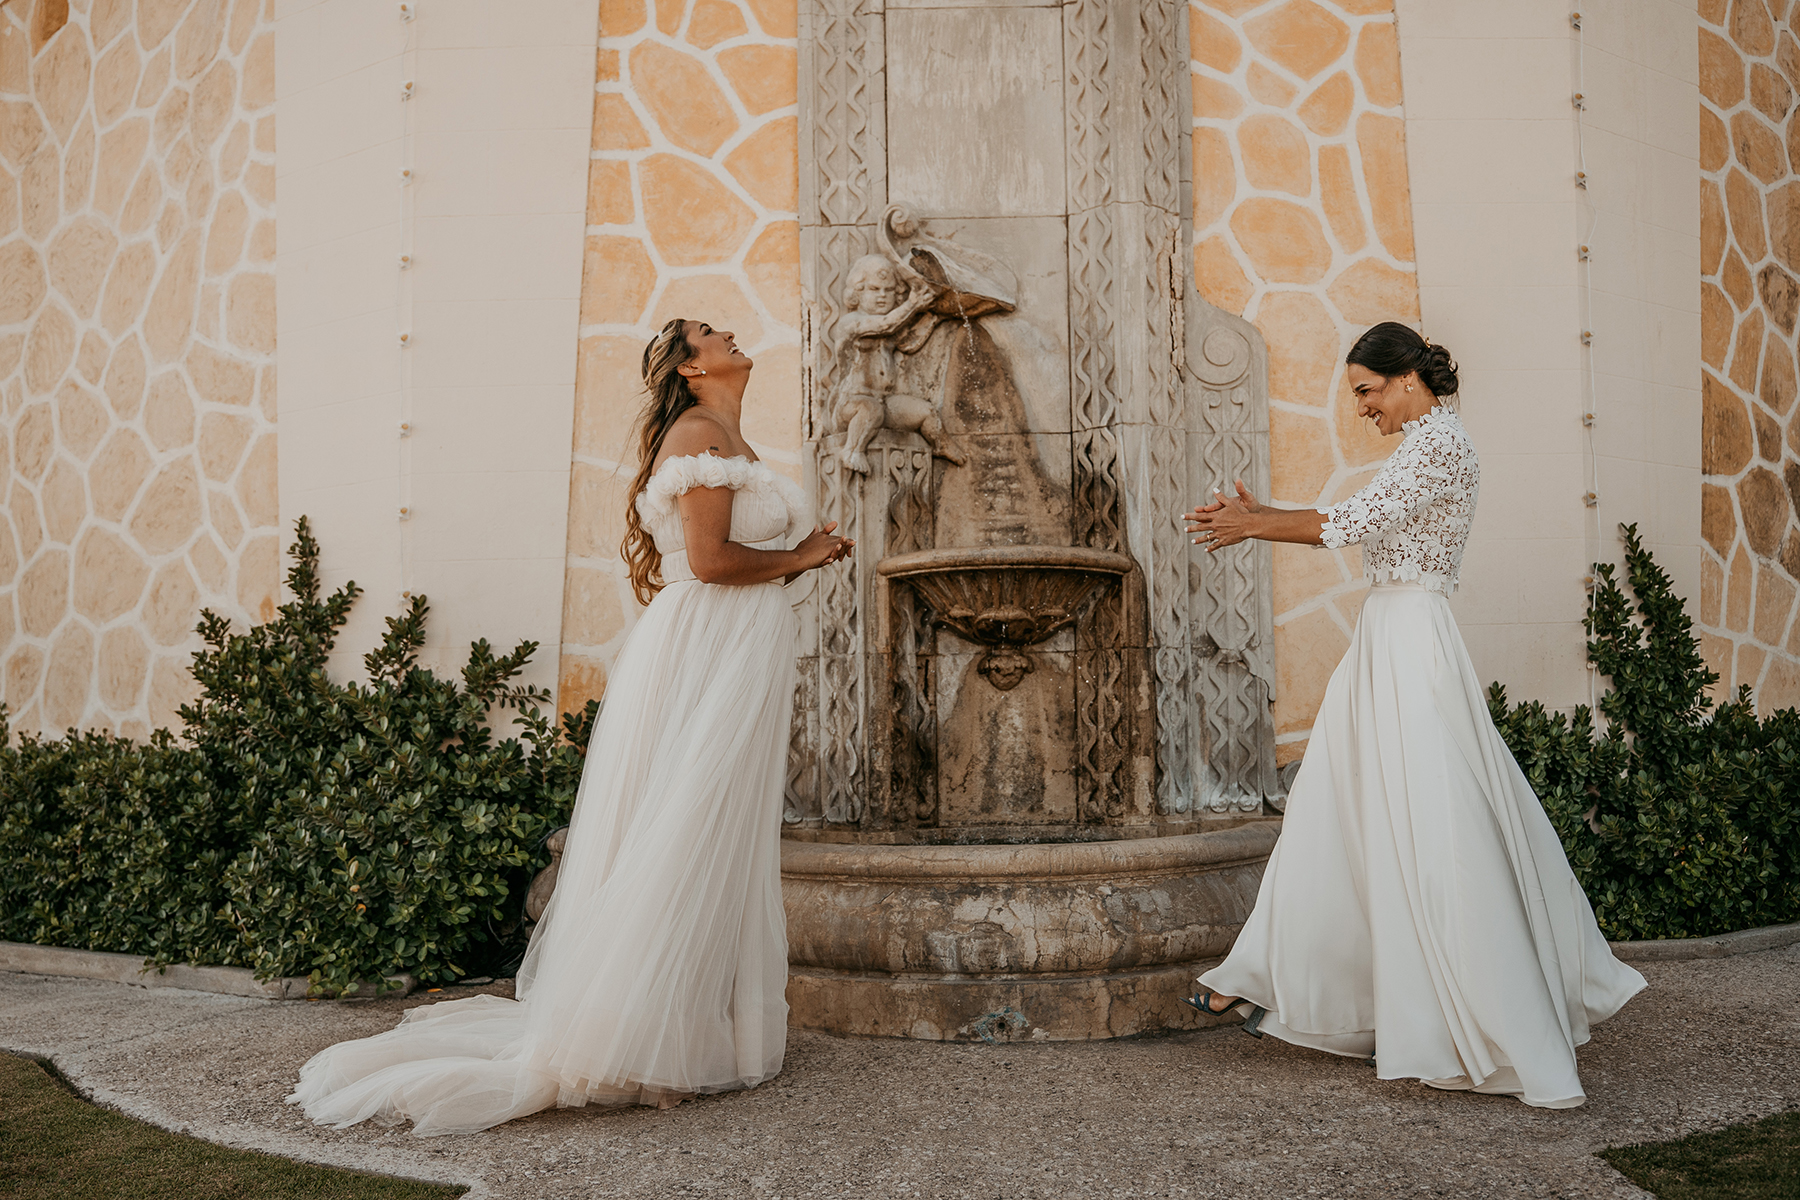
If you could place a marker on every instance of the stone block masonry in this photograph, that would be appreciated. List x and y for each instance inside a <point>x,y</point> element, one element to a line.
<point>691,212</point>
<point>1303,224</point>
<point>137,330</point>
<point>1749,298</point>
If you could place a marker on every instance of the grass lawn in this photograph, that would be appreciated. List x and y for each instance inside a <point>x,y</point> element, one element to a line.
<point>1758,1161</point>
<point>56,1146</point>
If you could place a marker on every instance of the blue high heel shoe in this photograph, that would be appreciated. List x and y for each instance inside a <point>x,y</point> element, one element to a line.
<point>1203,1002</point>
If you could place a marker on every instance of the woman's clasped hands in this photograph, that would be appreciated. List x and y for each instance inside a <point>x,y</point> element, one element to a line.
<point>1227,521</point>
<point>822,547</point>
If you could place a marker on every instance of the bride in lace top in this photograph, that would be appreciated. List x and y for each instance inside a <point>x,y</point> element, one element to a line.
<point>1418,910</point>
<point>1413,518</point>
<point>659,969</point>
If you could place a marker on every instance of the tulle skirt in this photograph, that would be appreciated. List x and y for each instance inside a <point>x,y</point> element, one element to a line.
<point>660,966</point>
<point>1418,906</point>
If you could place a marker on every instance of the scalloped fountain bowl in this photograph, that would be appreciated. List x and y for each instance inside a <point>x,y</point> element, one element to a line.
<point>1006,598</point>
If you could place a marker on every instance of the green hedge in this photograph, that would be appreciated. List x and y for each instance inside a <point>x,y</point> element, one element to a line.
<point>301,827</point>
<point>352,831</point>
<point>1681,819</point>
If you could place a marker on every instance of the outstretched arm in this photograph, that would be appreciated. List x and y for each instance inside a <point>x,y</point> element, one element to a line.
<point>1229,520</point>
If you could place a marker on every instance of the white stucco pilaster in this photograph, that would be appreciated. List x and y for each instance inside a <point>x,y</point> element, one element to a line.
<point>1492,148</point>
<point>496,136</point>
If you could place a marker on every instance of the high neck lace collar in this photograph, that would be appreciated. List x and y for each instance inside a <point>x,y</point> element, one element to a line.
<point>1438,412</point>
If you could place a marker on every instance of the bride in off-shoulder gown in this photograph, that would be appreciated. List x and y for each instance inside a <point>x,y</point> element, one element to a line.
<point>659,968</point>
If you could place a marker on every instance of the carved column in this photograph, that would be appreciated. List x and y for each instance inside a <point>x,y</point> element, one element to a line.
<point>1232,618</point>
<point>843,192</point>
<point>1130,290</point>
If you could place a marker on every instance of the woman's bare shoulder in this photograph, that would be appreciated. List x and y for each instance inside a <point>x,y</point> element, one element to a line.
<point>696,431</point>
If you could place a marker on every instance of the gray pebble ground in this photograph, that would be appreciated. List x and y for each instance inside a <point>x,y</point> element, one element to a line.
<point>1211,1114</point>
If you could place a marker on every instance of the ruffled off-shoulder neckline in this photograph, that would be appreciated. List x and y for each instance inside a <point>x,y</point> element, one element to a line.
<point>685,472</point>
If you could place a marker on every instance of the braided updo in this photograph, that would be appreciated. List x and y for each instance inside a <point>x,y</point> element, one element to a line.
<point>1391,349</point>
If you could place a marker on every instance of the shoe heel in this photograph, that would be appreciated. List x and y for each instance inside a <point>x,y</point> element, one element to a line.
<point>1256,1016</point>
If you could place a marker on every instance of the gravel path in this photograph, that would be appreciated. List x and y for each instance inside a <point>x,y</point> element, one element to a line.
<point>1211,1114</point>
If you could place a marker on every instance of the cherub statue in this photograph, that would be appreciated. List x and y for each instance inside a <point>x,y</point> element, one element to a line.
<point>869,393</point>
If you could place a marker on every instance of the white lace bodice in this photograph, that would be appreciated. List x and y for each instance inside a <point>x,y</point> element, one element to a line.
<point>767,512</point>
<point>1413,518</point>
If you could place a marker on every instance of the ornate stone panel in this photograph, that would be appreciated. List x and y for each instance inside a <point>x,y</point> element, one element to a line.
<point>1171,667</point>
<point>843,191</point>
<point>1232,616</point>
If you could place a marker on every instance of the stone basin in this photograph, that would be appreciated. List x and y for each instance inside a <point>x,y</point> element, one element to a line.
<point>1066,941</point>
<point>1006,597</point>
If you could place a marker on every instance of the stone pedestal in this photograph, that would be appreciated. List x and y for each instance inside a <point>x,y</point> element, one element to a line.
<point>1043,942</point>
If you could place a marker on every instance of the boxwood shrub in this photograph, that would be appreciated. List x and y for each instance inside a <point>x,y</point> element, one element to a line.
<point>1680,817</point>
<point>298,826</point>
<point>347,832</point>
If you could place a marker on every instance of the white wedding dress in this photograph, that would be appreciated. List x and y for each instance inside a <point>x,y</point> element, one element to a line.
<point>1418,906</point>
<point>660,965</point>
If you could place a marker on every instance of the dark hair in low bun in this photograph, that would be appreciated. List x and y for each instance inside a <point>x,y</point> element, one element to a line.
<point>1390,349</point>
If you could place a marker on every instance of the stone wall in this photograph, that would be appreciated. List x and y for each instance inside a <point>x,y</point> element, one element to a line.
<point>691,212</point>
<point>1303,224</point>
<point>137,325</point>
<point>1750,257</point>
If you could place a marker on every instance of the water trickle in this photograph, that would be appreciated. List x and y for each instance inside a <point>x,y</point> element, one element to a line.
<point>968,327</point>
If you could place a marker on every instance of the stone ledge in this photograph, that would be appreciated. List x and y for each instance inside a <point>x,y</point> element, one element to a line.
<point>1177,854</point>
<point>1721,945</point>
<point>70,963</point>
<point>1032,1008</point>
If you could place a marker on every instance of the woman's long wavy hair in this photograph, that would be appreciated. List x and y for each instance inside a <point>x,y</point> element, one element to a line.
<point>668,397</point>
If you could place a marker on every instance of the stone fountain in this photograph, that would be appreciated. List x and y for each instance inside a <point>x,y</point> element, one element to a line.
<point>1032,742</point>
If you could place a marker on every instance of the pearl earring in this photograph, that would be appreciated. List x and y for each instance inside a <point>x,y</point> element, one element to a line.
<point>1408,386</point>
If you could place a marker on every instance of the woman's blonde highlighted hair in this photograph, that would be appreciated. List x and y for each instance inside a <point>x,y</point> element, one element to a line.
<point>668,397</point>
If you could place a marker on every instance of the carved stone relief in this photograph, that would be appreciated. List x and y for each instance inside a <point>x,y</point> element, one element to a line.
<point>951,407</point>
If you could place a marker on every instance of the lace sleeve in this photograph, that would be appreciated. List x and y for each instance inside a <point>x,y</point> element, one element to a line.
<point>677,476</point>
<point>1415,475</point>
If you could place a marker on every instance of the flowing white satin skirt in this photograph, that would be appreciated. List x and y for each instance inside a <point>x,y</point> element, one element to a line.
<point>1418,906</point>
<point>660,965</point>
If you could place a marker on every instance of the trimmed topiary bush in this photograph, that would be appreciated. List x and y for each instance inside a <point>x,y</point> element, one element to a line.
<point>302,827</point>
<point>1680,819</point>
